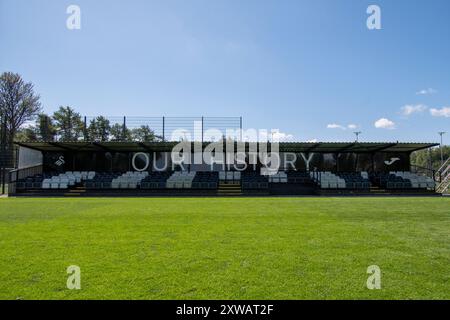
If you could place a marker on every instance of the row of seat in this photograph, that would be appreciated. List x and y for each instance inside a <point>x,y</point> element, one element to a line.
<point>279,177</point>
<point>180,180</point>
<point>128,180</point>
<point>230,176</point>
<point>206,180</point>
<point>154,180</point>
<point>416,181</point>
<point>66,180</point>
<point>355,180</point>
<point>329,180</point>
<point>254,180</point>
<point>300,177</point>
<point>210,180</point>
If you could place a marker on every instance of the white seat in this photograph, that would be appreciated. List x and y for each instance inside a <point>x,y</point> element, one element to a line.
<point>170,184</point>
<point>132,185</point>
<point>237,175</point>
<point>222,175</point>
<point>179,184</point>
<point>187,184</point>
<point>333,184</point>
<point>115,185</point>
<point>230,176</point>
<point>123,185</point>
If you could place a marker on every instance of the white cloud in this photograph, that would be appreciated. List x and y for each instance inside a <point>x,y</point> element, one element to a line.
<point>443,112</point>
<point>282,136</point>
<point>335,126</point>
<point>275,136</point>
<point>426,91</point>
<point>338,126</point>
<point>410,109</point>
<point>384,123</point>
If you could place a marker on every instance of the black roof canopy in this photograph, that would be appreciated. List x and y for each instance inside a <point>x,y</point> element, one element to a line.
<point>317,147</point>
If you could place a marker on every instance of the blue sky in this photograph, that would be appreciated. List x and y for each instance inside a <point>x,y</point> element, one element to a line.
<point>297,66</point>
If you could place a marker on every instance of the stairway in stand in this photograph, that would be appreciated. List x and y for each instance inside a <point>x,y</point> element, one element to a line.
<point>442,178</point>
<point>229,189</point>
<point>378,190</point>
<point>76,192</point>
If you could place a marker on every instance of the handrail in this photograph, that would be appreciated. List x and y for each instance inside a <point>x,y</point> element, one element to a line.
<point>428,172</point>
<point>445,171</point>
<point>443,186</point>
<point>17,174</point>
<point>446,163</point>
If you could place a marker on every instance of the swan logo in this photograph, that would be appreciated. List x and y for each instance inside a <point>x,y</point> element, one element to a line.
<point>60,161</point>
<point>392,161</point>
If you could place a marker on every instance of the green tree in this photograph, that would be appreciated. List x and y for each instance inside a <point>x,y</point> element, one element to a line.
<point>118,133</point>
<point>144,134</point>
<point>45,128</point>
<point>18,103</point>
<point>68,124</point>
<point>26,135</point>
<point>425,158</point>
<point>99,129</point>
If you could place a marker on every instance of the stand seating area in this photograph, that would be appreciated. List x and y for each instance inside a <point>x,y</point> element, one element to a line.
<point>128,180</point>
<point>34,182</point>
<point>230,176</point>
<point>403,180</point>
<point>249,182</point>
<point>67,179</point>
<point>205,180</point>
<point>279,177</point>
<point>356,180</point>
<point>253,180</point>
<point>301,177</point>
<point>155,180</point>
<point>180,180</point>
<point>329,180</point>
<point>101,180</point>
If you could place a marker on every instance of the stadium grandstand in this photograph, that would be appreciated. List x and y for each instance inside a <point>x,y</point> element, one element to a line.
<point>120,168</point>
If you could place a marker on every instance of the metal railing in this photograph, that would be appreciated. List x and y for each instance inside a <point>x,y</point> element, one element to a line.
<point>442,177</point>
<point>163,128</point>
<point>22,173</point>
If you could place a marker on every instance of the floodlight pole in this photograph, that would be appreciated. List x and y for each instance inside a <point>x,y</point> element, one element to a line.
<point>357,133</point>
<point>441,133</point>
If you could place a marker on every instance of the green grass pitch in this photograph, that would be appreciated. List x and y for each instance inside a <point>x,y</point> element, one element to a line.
<point>225,248</point>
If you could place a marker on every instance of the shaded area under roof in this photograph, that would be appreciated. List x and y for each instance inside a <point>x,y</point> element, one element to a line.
<point>318,147</point>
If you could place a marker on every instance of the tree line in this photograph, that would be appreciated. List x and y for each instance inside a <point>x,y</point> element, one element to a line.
<point>23,120</point>
<point>430,159</point>
<point>20,105</point>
